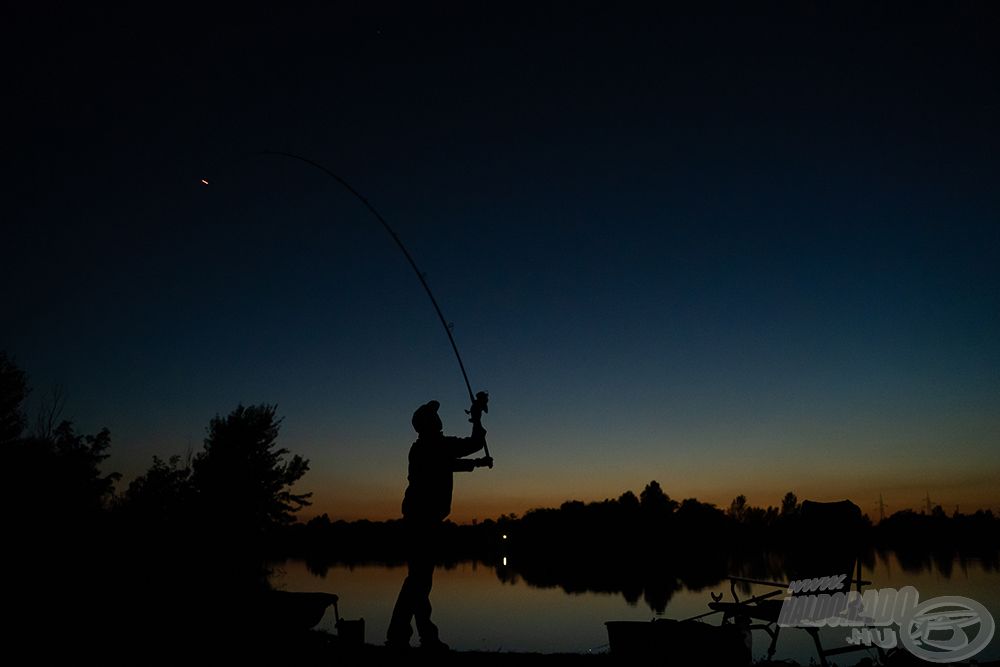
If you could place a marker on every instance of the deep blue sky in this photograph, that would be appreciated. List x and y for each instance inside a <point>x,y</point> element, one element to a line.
<point>743,250</point>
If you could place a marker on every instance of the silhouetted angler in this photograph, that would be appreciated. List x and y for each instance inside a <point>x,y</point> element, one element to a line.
<point>426,504</point>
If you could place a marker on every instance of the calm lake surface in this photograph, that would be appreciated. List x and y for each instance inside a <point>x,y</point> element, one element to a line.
<point>476,609</point>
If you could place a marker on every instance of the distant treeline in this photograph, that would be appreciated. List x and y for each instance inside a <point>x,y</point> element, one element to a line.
<point>650,525</point>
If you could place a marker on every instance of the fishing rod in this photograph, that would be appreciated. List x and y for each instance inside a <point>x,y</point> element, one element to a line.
<point>479,400</point>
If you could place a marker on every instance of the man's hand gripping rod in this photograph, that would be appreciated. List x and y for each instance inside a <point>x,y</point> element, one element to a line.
<point>480,404</point>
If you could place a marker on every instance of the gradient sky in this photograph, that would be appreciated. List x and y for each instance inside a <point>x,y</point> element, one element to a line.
<point>736,251</point>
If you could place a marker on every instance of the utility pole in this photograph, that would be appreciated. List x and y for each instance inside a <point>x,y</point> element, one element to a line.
<point>881,508</point>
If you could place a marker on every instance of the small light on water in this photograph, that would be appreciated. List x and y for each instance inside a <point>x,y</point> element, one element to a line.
<point>504,536</point>
<point>505,561</point>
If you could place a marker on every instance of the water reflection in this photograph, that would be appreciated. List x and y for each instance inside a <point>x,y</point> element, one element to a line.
<point>525,606</point>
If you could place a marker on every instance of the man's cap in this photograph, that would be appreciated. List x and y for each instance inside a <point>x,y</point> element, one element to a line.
<point>425,418</point>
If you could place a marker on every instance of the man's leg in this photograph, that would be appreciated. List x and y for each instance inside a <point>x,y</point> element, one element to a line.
<point>414,596</point>
<point>422,579</point>
<point>422,560</point>
<point>399,631</point>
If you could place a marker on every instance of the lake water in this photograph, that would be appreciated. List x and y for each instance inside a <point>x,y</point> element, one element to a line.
<point>478,610</point>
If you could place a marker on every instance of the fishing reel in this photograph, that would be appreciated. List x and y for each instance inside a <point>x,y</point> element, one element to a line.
<point>479,406</point>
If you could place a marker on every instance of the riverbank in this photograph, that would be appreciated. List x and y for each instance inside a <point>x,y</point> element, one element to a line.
<point>320,646</point>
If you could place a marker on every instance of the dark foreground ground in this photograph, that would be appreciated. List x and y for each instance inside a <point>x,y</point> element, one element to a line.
<point>323,648</point>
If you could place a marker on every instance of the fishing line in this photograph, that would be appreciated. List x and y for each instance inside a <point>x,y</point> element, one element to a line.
<point>421,276</point>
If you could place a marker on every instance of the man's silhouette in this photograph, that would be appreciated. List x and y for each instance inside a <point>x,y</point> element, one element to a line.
<point>427,502</point>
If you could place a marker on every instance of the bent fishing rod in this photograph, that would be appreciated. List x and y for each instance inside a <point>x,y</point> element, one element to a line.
<point>479,400</point>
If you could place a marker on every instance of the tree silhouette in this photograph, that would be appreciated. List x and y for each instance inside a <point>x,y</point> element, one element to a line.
<point>13,391</point>
<point>738,508</point>
<point>654,500</point>
<point>76,469</point>
<point>161,495</point>
<point>49,415</point>
<point>789,504</point>
<point>54,477</point>
<point>241,478</point>
<point>628,501</point>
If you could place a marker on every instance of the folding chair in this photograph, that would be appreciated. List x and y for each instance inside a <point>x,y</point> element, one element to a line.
<point>829,535</point>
